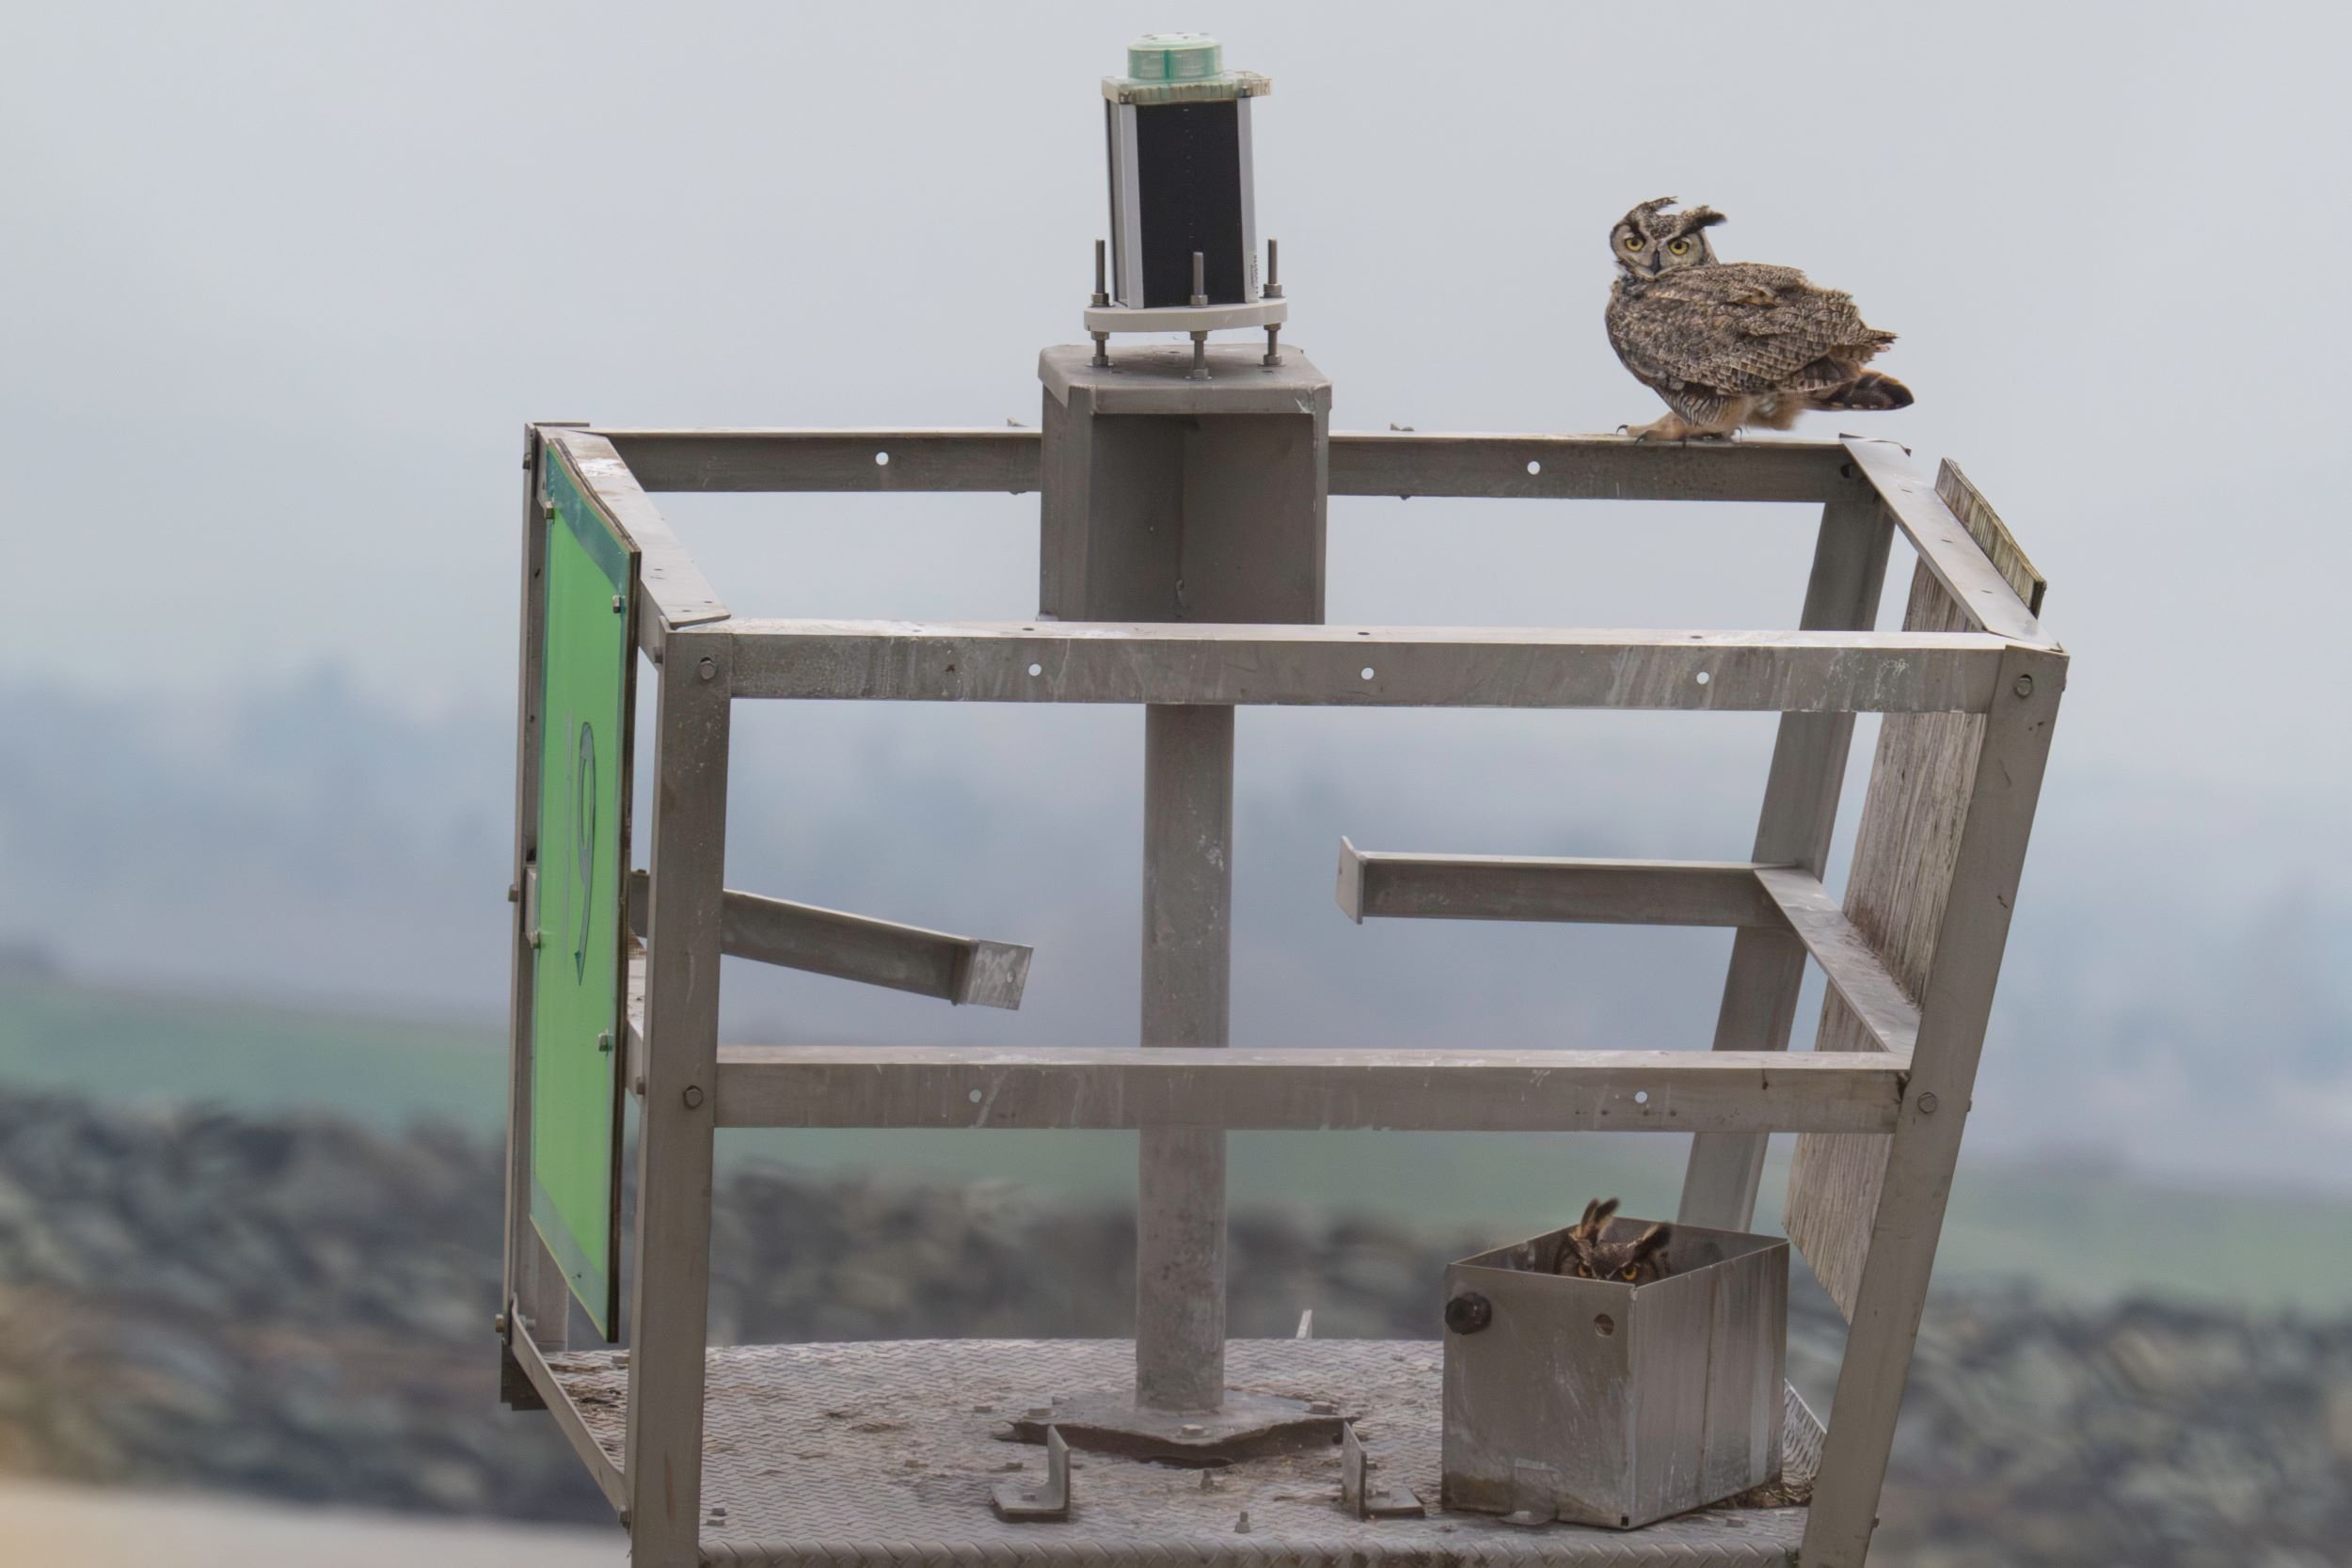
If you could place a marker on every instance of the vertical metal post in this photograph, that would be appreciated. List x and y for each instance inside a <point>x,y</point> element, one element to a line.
<point>1799,817</point>
<point>1187,969</point>
<point>533,1285</point>
<point>1925,1145</point>
<point>669,1300</point>
<point>1195,502</point>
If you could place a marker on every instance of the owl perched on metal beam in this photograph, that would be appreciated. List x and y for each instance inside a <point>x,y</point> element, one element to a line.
<point>1732,343</point>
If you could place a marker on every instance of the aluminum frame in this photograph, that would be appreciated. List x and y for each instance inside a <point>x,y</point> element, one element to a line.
<point>2005,667</point>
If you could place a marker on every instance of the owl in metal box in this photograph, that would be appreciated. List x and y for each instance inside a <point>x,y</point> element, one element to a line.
<point>1733,343</point>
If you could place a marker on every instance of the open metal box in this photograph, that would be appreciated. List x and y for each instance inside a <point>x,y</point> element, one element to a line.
<point>1612,1403</point>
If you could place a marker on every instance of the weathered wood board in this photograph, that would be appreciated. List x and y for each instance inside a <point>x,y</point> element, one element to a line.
<point>1895,895</point>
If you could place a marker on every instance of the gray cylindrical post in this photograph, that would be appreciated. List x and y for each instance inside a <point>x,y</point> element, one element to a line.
<point>1188,953</point>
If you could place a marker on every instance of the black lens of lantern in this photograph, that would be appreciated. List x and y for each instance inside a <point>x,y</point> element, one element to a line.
<point>1188,157</point>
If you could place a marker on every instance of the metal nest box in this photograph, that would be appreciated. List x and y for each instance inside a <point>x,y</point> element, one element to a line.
<point>1182,570</point>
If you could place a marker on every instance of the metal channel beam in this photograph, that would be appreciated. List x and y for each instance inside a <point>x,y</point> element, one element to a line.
<point>1306,1090</point>
<point>1782,671</point>
<point>1637,893</point>
<point>1794,827</point>
<point>830,460</point>
<point>1851,967</point>
<point>672,585</point>
<point>543,1297</point>
<point>960,969</point>
<point>1958,562</point>
<point>568,1421</point>
<point>965,970</point>
<point>669,1295</point>
<point>1581,467</point>
<point>1601,891</point>
<point>1362,462</point>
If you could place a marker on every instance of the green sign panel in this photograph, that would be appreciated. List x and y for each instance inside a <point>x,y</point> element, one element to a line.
<point>579,973</point>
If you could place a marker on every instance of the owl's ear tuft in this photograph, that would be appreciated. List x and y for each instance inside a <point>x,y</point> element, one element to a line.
<point>1698,218</point>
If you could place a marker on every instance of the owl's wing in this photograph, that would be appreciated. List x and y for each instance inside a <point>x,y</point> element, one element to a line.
<point>1743,326</point>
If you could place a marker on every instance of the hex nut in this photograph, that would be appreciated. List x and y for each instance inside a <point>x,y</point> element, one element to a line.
<point>1927,1103</point>
<point>693,1096</point>
<point>1468,1313</point>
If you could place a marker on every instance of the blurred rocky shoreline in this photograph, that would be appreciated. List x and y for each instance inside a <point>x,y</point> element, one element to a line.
<point>298,1308</point>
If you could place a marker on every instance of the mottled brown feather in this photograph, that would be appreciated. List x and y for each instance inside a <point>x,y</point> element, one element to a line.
<point>1731,344</point>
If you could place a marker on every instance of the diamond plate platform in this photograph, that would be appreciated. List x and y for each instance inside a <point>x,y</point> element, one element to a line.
<point>887,1452</point>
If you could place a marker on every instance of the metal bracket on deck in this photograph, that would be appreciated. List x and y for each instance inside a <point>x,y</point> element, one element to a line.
<point>1020,1505</point>
<point>1245,1426</point>
<point>1361,1501</point>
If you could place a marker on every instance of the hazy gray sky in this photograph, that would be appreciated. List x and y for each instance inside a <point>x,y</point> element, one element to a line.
<point>281,283</point>
<point>278,285</point>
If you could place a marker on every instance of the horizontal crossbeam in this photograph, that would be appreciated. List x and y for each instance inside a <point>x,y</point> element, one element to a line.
<point>838,461</point>
<point>1306,1090</point>
<point>966,970</point>
<point>1401,463</point>
<point>1777,672</point>
<point>1638,892</point>
<point>1602,892</point>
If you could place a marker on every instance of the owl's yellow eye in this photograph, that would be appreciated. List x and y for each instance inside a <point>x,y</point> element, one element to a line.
<point>1680,246</point>
<point>1629,1272</point>
<point>1634,242</point>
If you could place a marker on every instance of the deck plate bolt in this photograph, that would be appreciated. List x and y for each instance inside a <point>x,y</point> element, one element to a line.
<point>2025,686</point>
<point>1927,1103</point>
<point>693,1096</point>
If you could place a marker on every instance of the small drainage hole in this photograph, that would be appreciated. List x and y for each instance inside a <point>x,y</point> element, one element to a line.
<point>973,1097</point>
<point>1641,1097</point>
<point>1365,672</point>
<point>1037,669</point>
<point>881,460</point>
<point>1704,677</point>
<point>1534,467</point>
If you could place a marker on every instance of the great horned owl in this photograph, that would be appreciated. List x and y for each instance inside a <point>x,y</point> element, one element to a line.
<point>1588,1251</point>
<point>1732,343</point>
